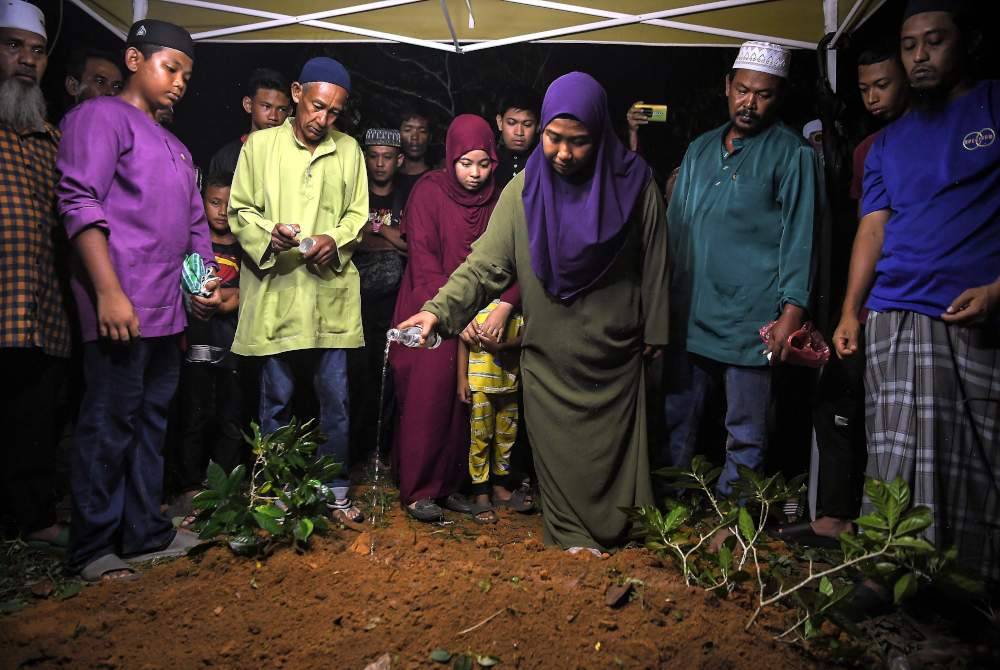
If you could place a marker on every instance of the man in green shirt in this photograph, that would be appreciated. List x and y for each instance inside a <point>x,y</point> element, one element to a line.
<point>300,308</point>
<point>741,227</point>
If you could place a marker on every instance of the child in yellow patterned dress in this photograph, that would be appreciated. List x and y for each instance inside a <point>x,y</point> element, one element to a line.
<point>488,378</point>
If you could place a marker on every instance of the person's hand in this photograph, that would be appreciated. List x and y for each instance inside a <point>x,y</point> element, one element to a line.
<point>205,307</point>
<point>973,305</point>
<point>489,343</point>
<point>116,318</point>
<point>470,334</point>
<point>635,118</point>
<point>496,322</point>
<point>777,340</point>
<point>464,391</point>
<point>426,321</point>
<point>321,253</point>
<point>847,335</point>
<point>283,237</point>
<point>652,351</point>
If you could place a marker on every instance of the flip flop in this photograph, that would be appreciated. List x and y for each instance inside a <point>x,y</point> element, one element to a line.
<point>183,542</point>
<point>425,510</point>
<point>95,571</point>
<point>518,501</point>
<point>456,502</point>
<point>345,510</point>
<point>59,543</point>
<point>475,509</point>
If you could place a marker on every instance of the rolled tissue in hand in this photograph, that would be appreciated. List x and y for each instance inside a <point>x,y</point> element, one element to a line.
<point>195,275</point>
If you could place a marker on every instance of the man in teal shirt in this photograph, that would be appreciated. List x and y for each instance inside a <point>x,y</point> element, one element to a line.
<point>741,226</point>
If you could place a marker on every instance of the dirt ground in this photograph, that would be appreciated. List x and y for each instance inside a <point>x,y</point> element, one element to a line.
<point>426,587</point>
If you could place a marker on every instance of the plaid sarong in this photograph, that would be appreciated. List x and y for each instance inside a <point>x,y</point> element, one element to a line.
<point>933,418</point>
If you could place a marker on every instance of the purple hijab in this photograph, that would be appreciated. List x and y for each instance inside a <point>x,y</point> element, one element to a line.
<point>576,228</point>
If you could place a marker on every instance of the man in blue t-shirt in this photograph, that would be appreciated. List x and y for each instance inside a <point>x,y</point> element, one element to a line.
<point>926,263</point>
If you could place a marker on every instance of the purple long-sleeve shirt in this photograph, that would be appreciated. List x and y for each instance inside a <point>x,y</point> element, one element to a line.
<point>128,176</point>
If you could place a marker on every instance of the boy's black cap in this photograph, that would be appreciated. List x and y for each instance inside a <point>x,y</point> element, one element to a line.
<point>161,34</point>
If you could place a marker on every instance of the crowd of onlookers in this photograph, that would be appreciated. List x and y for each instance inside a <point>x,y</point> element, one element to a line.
<point>563,278</point>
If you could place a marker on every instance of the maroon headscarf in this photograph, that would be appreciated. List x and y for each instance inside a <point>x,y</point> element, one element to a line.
<point>466,133</point>
<point>577,227</point>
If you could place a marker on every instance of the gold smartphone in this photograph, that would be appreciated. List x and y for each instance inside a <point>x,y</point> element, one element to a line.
<point>657,113</point>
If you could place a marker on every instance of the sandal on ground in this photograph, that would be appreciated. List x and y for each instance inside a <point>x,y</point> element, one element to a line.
<point>185,522</point>
<point>58,543</point>
<point>456,502</point>
<point>183,542</point>
<point>483,513</point>
<point>803,533</point>
<point>519,501</point>
<point>345,510</point>
<point>108,568</point>
<point>425,510</point>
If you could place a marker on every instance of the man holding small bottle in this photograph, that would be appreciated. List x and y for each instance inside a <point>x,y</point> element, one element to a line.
<point>300,294</point>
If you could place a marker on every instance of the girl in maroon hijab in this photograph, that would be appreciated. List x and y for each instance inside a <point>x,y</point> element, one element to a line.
<point>447,211</point>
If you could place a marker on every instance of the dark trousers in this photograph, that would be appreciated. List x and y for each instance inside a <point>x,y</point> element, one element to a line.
<point>28,404</point>
<point>117,468</point>
<point>328,369</point>
<point>691,382</point>
<point>368,398</point>
<point>211,417</point>
<point>839,420</point>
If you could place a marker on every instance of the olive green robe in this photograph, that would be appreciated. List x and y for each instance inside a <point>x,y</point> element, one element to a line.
<point>582,367</point>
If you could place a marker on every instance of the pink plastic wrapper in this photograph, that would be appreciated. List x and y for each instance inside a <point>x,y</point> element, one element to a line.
<point>805,346</point>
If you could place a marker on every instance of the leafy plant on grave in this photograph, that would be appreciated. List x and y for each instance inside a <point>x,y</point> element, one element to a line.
<point>282,500</point>
<point>889,546</point>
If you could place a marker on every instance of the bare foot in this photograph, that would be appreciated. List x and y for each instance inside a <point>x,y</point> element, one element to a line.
<point>49,534</point>
<point>831,526</point>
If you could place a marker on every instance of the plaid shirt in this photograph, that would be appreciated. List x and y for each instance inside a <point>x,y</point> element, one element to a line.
<point>33,307</point>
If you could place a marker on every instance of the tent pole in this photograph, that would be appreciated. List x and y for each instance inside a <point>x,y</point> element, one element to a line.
<point>140,9</point>
<point>830,26</point>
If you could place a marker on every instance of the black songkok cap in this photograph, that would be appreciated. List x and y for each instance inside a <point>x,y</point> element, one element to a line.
<point>161,34</point>
<point>953,7</point>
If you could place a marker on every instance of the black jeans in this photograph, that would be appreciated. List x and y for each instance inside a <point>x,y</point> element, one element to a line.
<point>211,417</point>
<point>839,420</point>
<point>28,402</point>
<point>365,371</point>
<point>117,471</point>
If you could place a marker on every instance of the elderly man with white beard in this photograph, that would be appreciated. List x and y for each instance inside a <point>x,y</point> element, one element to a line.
<point>34,326</point>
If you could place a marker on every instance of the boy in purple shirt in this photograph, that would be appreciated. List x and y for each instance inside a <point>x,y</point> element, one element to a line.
<point>133,211</point>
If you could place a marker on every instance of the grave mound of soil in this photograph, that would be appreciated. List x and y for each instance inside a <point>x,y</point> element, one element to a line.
<point>426,587</point>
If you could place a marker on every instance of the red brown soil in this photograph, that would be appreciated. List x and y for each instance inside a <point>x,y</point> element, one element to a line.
<point>336,607</point>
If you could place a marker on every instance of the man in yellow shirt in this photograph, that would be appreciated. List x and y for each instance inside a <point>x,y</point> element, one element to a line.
<point>303,183</point>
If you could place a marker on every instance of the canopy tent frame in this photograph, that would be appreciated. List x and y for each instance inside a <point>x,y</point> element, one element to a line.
<point>606,19</point>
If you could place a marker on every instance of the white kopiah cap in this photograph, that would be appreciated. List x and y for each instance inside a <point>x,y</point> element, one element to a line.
<point>814,126</point>
<point>764,57</point>
<point>22,16</point>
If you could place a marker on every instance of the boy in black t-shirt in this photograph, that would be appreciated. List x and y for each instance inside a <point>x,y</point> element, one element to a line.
<point>210,398</point>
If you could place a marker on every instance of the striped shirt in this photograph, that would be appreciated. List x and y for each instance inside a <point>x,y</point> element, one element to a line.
<point>33,310</point>
<point>485,374</point>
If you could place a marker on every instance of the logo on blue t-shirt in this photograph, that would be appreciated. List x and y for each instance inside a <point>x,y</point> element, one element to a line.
<point>979,139</point>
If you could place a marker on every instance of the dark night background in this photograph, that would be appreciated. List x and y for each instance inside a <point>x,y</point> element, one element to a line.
<point>689,80</point>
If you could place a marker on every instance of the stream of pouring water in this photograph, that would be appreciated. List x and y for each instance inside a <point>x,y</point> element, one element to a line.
<point>377,498</point>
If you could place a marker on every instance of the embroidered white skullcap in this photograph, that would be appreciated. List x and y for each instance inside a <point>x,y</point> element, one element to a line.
<point>764,57</point>
<point>814,126</point>
<point>22,16</point>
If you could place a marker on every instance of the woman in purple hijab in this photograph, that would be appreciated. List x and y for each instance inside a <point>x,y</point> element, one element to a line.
<point>582,230</point>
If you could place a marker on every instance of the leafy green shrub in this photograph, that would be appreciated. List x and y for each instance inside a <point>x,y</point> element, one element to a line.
<point>888,548</point>
<point>284,495</point>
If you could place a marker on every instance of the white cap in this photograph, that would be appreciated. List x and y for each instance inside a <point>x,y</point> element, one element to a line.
<point>764,57</point>
<point>22,16</point>
<point>814,126</point>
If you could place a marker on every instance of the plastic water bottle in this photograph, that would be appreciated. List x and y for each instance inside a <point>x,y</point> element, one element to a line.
<point>306,244</point>
<point>410,337</point>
